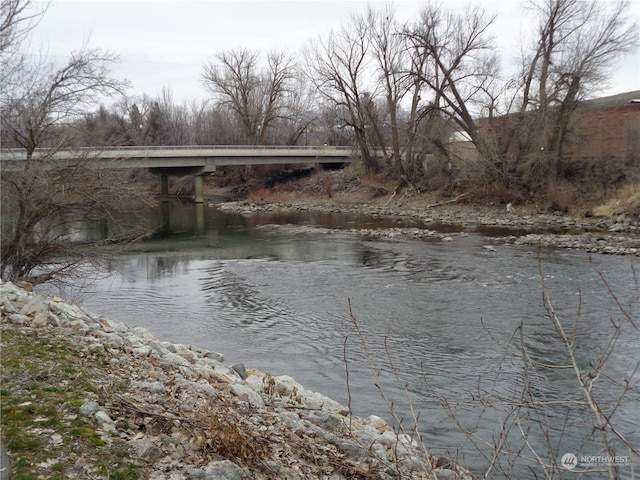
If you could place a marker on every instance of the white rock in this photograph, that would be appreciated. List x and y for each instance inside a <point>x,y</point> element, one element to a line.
<point>97,349</point>
<point>185,352</point>
<point>247,394</point>
<point>214,357</point>
<point>203,387</point>
<point>88,408</point>
<point>146,450</point>
<point>153,387</point>
<point>255,381</point>
<point>319,401</point>
<point>286,386</point>
<point>35,305</point>
<point>102,416</point>
<point>176,359</point>
<point>376,422</point>
<point>113,325</point>
<point>143,351</point>
<point>224,470</point>
<point>143,333</point>
<point>18,319</point>
<point>113,339</point>
<point>445,474</point>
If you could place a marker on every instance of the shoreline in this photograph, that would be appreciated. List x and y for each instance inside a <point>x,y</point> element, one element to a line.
<point>177,410</point>
<point>615,236</point>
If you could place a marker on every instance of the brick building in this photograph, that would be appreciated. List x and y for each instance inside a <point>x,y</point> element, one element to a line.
<point>602,144</point>
<point>605,132</point>
<point>604,141</point>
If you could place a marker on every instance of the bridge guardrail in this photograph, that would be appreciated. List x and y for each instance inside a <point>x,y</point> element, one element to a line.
<point>189,147</point>
<point>229,147</point>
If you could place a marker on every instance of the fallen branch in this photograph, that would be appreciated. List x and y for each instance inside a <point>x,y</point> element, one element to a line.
<point>453,200</point>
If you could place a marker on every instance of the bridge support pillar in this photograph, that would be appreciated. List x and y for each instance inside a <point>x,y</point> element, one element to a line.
<point>164,187</point>
<point>200,218</point>
<point>198,195</point>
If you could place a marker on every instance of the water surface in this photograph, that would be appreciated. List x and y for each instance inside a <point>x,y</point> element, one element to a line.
<point>280,294</point>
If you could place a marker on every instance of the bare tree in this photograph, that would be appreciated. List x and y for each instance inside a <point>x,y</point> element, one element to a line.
<point>401,70</point>
<point>459,65</point>
<point>17,19</point>
<point>55,219</point>
<point>276,84</point>
<point>48,96</point>
<point>292,125</point>
<point>575,46</point>
<point>390,55</point>
<point>211,125</point>
<point>45,208</point>
<point>339,68</point>
<point>258,97</point>
<point>161,121</point>
<point>234,81</point>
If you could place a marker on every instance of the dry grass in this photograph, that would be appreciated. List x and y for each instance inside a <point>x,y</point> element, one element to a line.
<point>260,195</point>
<point>625,200</point>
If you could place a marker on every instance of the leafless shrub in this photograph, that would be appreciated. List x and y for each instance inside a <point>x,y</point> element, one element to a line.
<point>54,219</point>
<point>47,204</point>
<point>532,430</point>
<point>401,428</point>
<point>560,196</point>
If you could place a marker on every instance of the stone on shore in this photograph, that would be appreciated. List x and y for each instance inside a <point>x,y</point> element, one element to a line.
<point>185,414</point>
<point>618,235</point>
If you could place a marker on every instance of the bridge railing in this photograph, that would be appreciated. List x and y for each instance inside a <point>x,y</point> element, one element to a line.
<point>186,147</point>
<point>229,147</point>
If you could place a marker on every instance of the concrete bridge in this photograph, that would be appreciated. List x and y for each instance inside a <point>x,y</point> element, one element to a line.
<point>177,160</point>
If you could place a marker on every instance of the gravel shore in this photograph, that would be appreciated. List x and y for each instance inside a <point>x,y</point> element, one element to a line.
<point>619,235</point>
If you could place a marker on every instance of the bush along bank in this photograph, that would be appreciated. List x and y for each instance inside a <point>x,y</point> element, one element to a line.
<point>84,396</point>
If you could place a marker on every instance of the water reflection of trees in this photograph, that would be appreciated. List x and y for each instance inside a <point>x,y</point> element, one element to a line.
<point>156,267</point>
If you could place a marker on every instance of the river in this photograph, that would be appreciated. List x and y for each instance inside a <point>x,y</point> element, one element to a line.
<point>275,292</point>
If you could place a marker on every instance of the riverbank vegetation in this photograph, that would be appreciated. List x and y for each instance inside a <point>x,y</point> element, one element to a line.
<point>46,379</point>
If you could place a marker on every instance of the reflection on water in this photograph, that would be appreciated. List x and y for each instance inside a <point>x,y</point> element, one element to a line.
<point>275,295</point>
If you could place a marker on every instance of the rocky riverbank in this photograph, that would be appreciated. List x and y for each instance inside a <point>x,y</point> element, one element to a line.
<point>619,235</point>
<point>84,396</point>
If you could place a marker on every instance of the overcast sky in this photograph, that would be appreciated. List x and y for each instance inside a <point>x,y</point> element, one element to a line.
<point>165,43</point>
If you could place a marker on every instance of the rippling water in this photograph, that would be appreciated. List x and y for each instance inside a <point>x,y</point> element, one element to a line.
<point>436,314</point>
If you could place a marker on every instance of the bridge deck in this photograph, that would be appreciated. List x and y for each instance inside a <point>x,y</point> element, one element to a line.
<point>205,158</point>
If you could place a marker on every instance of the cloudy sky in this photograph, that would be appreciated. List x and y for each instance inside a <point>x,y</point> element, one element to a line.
<point>165,43</point>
